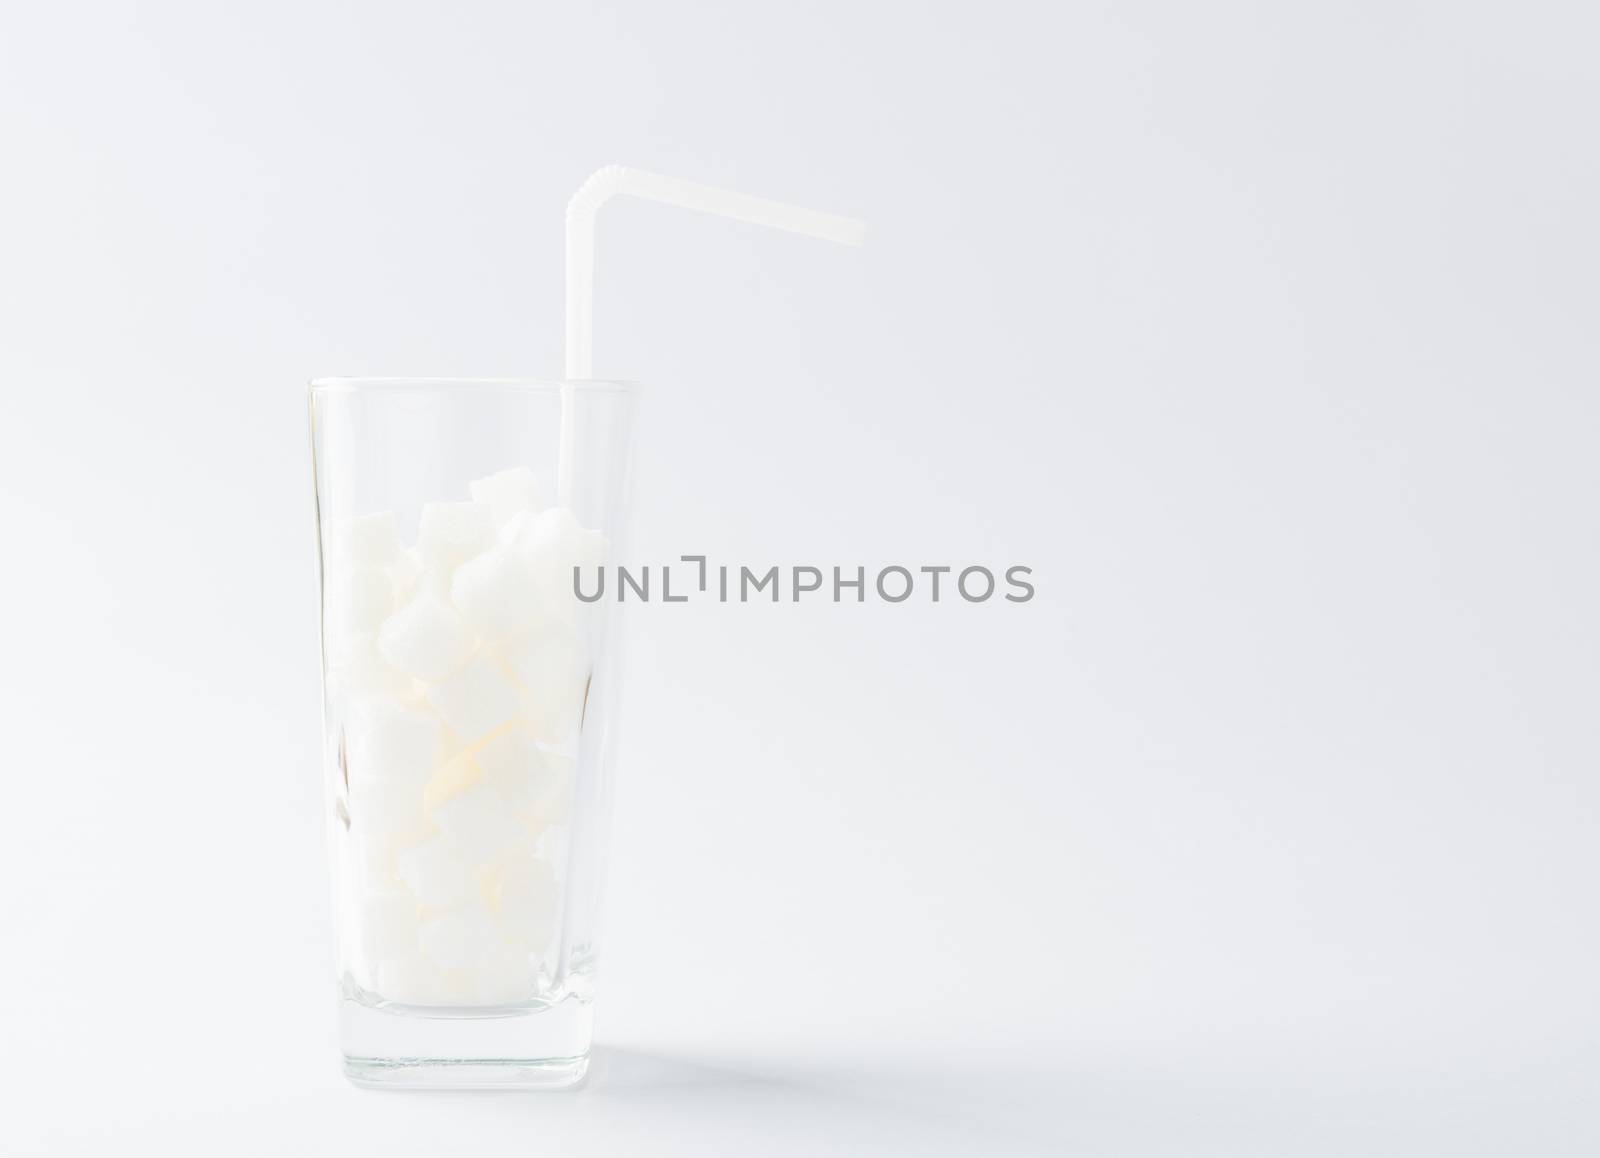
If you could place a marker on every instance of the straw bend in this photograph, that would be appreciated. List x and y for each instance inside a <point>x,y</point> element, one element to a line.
<point>619,180</point>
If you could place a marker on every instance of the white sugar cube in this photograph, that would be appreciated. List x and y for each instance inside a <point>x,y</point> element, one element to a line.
<point>426,638</point>
<point>561,765</point>
<point>505,976</point>
<point>405,573</point>
<point>411,979</point>
<point>555,538</point>
<point>357,672</point>
<point>509,493</point>
<point>386,741</point>
<point>390,753</point>
<point>480,825</point>
<point>515,767</point>
<point>496,593</point>
<point>357,599</point>
<point>367,541</point>
<point>512,533</point>
<point>451,533</point>
<point>455,777</point>
<point>529,901</point>
<point>552,667</point>
<point>476,700</point>
<point>510,760</point>
<point>412,575</point>
<point>388,923</point>
<point>509,755</point>
<point>460,939</point>
<point>383,818</point>
<point>348,909</point>
<point>436,876</point>
<point>554,544</point>
<point>552,846</point>
<point>436,582</point>
<point>552,806</point>
<point>370,847</point>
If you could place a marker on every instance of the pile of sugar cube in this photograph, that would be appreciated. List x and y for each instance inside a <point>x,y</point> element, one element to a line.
<point>457,676</point>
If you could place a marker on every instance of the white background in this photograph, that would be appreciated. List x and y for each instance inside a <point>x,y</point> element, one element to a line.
<point>1265,333</point>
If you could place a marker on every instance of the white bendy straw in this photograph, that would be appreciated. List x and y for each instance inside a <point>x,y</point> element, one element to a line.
<point>619,180</point>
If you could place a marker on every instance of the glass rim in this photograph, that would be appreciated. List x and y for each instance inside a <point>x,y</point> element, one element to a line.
<point>532,385</point>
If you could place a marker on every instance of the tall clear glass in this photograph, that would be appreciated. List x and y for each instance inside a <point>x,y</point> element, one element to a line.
<point>469,698</point>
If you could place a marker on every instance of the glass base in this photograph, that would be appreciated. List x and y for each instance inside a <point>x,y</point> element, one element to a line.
<point>432,1073</point>
<point>493,1047</point>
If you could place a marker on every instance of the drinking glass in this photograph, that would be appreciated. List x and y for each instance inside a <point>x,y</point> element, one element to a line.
<point>469,705</point>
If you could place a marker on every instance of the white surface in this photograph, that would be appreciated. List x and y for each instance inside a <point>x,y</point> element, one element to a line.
<point>1264,333</point>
